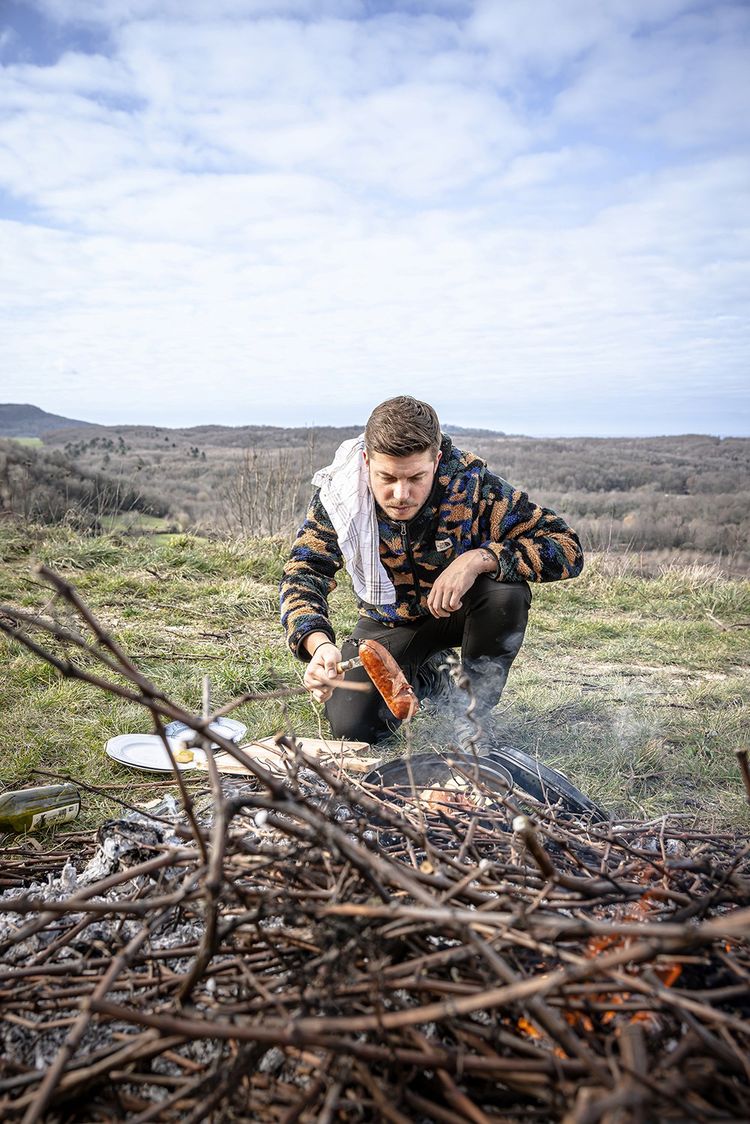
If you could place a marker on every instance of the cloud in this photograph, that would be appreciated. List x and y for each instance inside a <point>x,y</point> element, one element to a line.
<point>305,207</point>
<point>109,13</point>
<point>7,39</point>
<point>683,86</point>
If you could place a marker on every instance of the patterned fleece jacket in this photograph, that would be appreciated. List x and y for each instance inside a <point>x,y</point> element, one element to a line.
<point>468,507</point>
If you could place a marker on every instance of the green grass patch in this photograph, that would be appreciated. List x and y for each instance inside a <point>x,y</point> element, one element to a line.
<point>129,520</point>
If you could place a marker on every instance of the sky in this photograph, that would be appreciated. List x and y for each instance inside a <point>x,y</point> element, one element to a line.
<point>531,213</point>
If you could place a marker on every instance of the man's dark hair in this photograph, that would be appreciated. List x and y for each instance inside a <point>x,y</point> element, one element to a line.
<point>402,426</point>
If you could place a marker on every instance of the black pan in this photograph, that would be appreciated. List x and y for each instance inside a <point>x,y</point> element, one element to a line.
<point>501,769</point>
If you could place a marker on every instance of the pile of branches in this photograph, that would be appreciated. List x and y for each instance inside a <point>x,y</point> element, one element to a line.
<point>308,947</point>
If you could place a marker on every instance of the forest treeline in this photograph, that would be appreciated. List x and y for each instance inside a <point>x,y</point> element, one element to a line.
<point>688,493</point>
<point>46,486</point>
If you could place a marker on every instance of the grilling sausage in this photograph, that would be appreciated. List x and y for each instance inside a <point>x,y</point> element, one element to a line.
<point>388,678</point>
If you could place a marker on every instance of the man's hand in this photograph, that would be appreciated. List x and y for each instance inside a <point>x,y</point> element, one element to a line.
<point>321,671</point>
<point>446,595</point>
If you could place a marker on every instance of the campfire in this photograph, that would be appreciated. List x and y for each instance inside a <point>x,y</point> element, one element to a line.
<point>313,946</point>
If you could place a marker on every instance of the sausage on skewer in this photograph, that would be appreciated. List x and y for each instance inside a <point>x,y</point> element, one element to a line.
<point>387,677</point>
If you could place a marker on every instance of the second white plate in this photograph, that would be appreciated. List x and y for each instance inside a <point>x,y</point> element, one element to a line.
<point>146,751</point>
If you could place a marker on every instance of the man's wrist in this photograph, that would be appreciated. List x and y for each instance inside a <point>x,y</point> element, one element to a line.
<point>487,561</point>
<point>313,641</point>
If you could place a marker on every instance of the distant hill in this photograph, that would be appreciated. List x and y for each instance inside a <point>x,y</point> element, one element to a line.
<point>29,421</point>
<point>224,436</point>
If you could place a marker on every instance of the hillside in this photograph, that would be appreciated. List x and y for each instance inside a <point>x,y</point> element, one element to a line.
<point>231,436</point>
<point>688,493</point>
<point>46,487</point>
<point>24,420</point>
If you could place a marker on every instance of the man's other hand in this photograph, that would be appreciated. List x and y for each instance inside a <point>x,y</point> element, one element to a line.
<point>322,671</point>
<point>446,595</point>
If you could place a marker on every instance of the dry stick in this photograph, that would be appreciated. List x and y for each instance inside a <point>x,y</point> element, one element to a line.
<point>155,702</point>
<point>161,703</point>
<point>58,632</point>
<point>459,1100</point>
<point>680,1002</point>
<point>716,895</point>
<point>432,1111</point>
<point>144,1047</point>
<point>634,1054</point>
<point>543,1014</point>
<point>744,770</point>
<point>278,693</point>
<point>592,887</point>
<point>488,999</point>
<point>474,875</point>
<point>126,907</point>
<point>187,800</point>
<point>122,666</point>
<point>53,1074</point>
<point>414,792</point>
<point>387,1110</point>
<point>182,1093</point>
<point>65,939</point>
<point>455,1096</point>
<point>354,792</point>
<point>729,926</point>
<point>311,825</point>
<point>213,880</point>
<point>310,1094</point>
<point>66,590</point>
<point>247,1057</point>
<point>330,1102</point>
<point>368,863</point>
<point>79,901</point>
<point>71,671</point>
<point>523,827</point>
<point>375,807</point>
<point>294,1034</point>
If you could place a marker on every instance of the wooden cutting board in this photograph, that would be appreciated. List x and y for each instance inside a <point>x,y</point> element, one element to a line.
<point>353,757</point>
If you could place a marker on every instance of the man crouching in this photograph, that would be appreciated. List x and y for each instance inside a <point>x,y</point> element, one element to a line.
<point>440,552</point>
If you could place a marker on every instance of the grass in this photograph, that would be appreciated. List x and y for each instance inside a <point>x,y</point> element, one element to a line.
<point>635,685</point>
<point>137,522</point>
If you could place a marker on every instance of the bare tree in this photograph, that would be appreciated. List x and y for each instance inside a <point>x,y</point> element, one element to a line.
<point>267,493</point>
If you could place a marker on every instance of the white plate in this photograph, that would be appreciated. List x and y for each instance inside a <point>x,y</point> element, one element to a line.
<point>146,751</point>
<point>178,732</point>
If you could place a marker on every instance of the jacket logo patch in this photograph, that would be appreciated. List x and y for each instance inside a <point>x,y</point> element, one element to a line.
<point>443,544</point>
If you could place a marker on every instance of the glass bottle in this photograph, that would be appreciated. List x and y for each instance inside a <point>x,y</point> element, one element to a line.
<point>26,809</point>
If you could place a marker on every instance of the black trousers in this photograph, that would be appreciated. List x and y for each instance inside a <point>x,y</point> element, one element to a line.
<point>489,628</point>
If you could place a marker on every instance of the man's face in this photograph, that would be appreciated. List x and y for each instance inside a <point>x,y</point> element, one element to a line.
<point>402,484</point>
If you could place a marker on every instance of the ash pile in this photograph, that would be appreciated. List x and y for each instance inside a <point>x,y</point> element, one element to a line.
<point>312,948</point>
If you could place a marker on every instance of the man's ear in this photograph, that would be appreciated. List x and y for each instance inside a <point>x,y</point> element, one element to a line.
<point>364,454</point>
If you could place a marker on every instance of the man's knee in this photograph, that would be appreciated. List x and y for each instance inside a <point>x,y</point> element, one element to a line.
<point>496,619</point>
<point>355,727</point>
<point>356,715</point>
<point>488,591</point>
